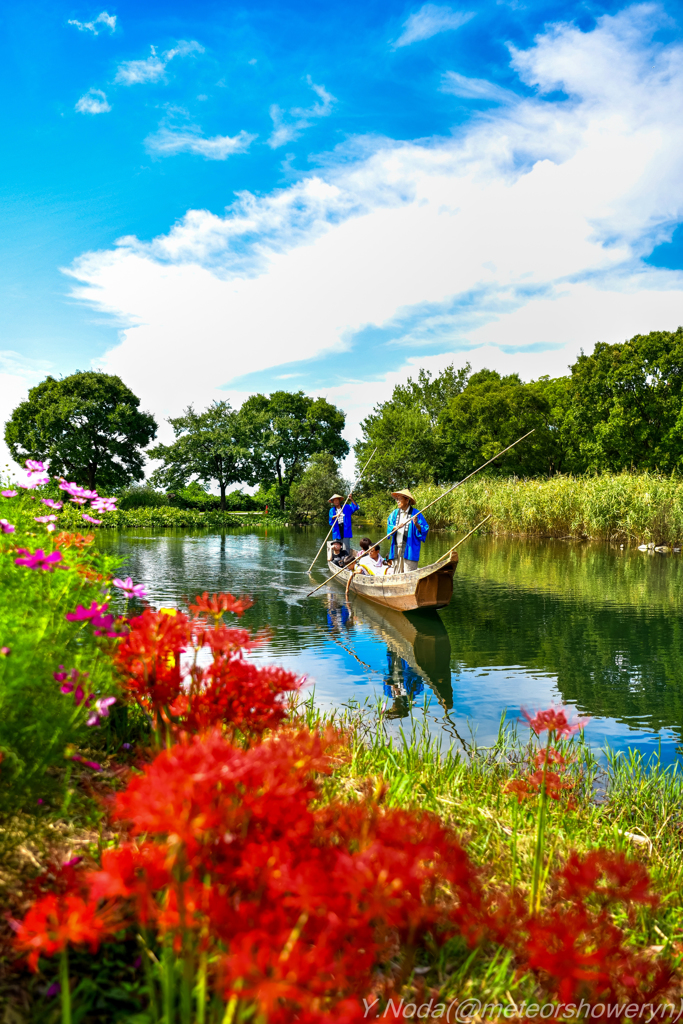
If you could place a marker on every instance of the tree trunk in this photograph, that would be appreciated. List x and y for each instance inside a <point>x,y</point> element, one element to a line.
<point>222,486</point>
<point>279,480</point>
<point>91,476</point>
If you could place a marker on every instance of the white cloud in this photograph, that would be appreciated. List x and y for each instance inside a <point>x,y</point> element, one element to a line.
<point>168,142</point>
<point>152,68</point>
<point>513,243</point>
<point>288,126</point>
<point>17,375</point>
<point>103,19</point>
<point>93,102</point>
<point>475,88</point>
<point>429,21</point>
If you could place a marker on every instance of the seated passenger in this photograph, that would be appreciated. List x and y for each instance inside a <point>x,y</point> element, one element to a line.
<point>372,564</point>
<point>340,555</point>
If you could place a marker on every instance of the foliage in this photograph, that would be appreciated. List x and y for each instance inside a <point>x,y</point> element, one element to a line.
<point>49,666</point>
<point>141,496</point>
<point>402,430</point>
<point>195,496</point>
<point>628,403</point>
<point>209,446</point>
<point>635,508</point>
<point>285,429</point>
<point>309,496</point>
<point>88,426</point>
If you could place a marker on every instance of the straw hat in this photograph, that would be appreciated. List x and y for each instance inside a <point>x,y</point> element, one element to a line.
<point>336,496</point>
<point>404,494</point>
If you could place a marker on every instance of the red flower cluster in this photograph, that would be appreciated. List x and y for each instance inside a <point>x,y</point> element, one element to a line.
<point>230,690</point>
<point>555,721</point>
<point>296,904</point>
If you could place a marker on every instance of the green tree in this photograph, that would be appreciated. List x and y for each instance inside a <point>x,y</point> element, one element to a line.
<point>285,429</point>
<point>309,496</point>
<point>403,430</point>
<point>88,425</point>
<point>492,412</point>
<point>209,445</point>
<point>627,401</point>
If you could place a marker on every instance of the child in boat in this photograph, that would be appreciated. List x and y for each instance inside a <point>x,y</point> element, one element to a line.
<point>340,556</point>
<point>372,563</point>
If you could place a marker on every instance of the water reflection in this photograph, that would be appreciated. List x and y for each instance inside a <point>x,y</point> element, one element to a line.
<point>531,622</point>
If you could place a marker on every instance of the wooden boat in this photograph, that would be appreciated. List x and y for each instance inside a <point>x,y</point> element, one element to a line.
<point>430,586</point>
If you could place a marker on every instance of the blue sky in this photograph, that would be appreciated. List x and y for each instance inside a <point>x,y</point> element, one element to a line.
<point>211,199</point>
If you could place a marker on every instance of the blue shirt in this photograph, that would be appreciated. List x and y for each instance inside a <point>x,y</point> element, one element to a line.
<point>349,509</point>
<point>417,535</point>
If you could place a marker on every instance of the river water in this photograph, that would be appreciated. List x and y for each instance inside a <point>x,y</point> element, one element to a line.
<point>531,623</point>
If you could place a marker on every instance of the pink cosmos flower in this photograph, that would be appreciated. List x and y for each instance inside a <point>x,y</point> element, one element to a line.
<point>6,527</point>
<point>39,560</point>
<point>100,710</point>
<point>89,764</point>
<point>51,503</point>
<point>45,519</point>
<point>104,505</point>
<point>9,494</point>
<point>81,613</point>
<point>35,481</point>
<point>89,519</point>
<point>76,491</point>
<point>129,588</point>
<point>5,651</point>
<point>50,527</point>
<point>34,467</point>
<point>79,501</point>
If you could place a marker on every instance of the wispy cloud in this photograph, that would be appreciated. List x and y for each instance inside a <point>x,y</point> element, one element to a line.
<point>429,21</point>
<point>289,125</point>
<point>103,20</point>
<point>93,102</point>
<point>169,141</point>
<point>475,88</point>
<point>151,69</point>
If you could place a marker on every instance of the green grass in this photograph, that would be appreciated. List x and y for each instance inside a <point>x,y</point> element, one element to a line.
<point>621,803</point>
<point>629,508</point>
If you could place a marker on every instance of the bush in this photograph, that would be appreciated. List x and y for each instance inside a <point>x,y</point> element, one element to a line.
<point>141,496</point>
<point>309,497</point>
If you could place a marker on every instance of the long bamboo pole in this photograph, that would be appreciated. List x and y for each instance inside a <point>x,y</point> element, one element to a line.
<point>341,510</point>
<point>413,518</point>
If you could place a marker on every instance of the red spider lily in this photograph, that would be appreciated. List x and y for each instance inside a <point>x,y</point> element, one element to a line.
<point>148,656</point>
<point>218,604</point>
<point>57,921</point>
<point>40,560</point>
<point>555,721</point>
<point>624,880</point>
<point>548,755</point>
<point>532,784</point>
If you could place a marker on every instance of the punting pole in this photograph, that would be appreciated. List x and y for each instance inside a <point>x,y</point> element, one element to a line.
<point>342,509</point>
<point>413,518</point>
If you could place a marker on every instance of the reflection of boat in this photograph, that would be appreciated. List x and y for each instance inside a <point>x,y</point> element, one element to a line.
<point>419,640</point>
<point>428,587</point>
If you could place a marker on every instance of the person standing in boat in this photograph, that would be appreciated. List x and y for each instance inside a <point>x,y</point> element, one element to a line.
<point>340,519</point>
<point>407,537</point>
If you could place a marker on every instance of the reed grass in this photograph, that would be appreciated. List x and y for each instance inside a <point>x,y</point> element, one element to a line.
<point>625,507</point>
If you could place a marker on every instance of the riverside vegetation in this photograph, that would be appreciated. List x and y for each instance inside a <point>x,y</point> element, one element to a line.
<point>185,839</point>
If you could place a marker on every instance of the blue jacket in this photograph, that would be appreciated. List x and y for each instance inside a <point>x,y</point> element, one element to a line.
<point>349,509</point>
<point>417,534</point>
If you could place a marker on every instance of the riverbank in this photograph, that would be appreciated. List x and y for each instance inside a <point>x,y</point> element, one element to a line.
<point>624,508</point>
<point>143,866</point>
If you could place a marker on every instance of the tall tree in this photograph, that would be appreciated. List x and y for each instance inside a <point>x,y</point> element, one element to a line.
<point>285,430</point>
<point>627,400</point>
<point>209,446</point>
<point>403,430</point>
<point>88,425</point>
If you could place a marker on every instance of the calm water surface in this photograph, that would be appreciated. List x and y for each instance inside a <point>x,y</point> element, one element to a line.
<point>530,623</point>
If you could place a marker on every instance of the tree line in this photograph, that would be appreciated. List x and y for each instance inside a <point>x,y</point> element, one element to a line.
<point>619,408</point>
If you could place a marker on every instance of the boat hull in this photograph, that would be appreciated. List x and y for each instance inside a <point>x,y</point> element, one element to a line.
<point>428,587</point>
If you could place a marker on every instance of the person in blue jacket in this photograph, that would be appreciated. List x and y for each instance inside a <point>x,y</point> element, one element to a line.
<point>406,541</point>
<point>340,519</point>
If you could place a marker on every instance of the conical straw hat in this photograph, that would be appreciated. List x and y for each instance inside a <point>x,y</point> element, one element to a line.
<point>405,494</point>
<point>336,496</point>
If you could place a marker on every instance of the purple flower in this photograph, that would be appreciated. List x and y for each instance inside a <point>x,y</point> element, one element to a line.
<point>82,613</point>
<point>9,494</point>
<point>51,503</point>
<point>100,710</point>
<point>39,560</point>
<point>34,467</point>
<point>45,519</point>
<point>126,746</point>
<point>54,989</point>
<point>129,588</point>
<point>6,527</point>
<point>89,519</point>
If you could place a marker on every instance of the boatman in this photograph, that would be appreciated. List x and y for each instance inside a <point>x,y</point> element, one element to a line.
<point>340,519</point>
<point>408,536</point>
